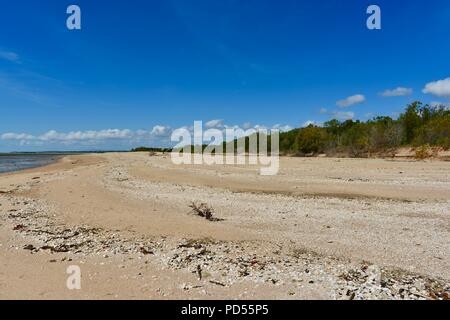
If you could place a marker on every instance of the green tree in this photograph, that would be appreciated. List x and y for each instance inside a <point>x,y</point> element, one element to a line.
<point>311,139</point>
<point>411,120</point>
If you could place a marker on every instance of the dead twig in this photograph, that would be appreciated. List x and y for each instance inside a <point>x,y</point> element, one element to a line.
<point>217,283</point>
<point>203,210</point>
<point>199,272</point>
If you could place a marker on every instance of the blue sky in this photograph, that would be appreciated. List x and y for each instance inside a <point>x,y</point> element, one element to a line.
<point>138,68</point>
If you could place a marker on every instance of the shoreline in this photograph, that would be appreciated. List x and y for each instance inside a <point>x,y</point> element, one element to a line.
<point>51,160</point>
<point>445,157</point>
<point>60,162</point>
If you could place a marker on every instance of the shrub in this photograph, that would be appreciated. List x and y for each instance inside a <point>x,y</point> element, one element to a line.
<point>311,139</point>
<point>423,152</point>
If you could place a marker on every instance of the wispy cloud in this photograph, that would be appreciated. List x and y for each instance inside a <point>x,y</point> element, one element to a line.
<point>160,131</point>
<point>343,115</point>
<point>217,123</point>
<point>17,136</point>
<point>9,56</point>
<point>351,101</point>
<point>440,88</point>
<point>440,104</point>
<point>92,138</point>
<point>53,135</point>
<point>339,115</point>
<point>27,86</point>
<point>397,92</point>
<point>282,128</point>
<point>308,123</point>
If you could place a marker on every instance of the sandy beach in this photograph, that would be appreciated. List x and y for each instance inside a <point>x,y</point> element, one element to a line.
<point>323,228</point>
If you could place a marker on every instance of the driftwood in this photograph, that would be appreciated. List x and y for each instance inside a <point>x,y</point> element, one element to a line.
<point>204,210</point>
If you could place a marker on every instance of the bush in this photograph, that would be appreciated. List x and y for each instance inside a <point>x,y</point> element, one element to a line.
<point>435,132</point>
<point>423,152</point>
<point>311,139</point>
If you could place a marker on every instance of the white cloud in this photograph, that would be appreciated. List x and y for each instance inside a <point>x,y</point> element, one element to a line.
<point>214,124</point>
<point>350,101</point>
<point>341,115</point>
<point>86,135</point>
<point>282,128</point>
<point>323,111</point>
<point>141,133</point>
<point>157,136</point>
<point>308,123</point>
<point>53,135</point>
<point>10,56</point>
<point>440,104</point>
<point>440,88</point>
<point>397,92</point>
<point>16,136</point>
<point>259,127</point>
<point>160,131</point>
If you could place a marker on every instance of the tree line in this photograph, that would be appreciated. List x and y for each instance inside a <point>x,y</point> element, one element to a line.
<point>418,125</point>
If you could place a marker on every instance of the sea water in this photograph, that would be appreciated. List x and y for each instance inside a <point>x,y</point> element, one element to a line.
<point>10,163</point>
